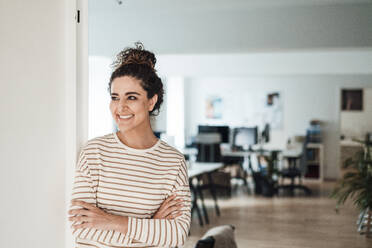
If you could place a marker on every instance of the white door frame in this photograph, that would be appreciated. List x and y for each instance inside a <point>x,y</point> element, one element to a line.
<point>76,94</point>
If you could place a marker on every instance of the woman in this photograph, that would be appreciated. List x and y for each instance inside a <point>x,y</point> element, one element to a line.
<point>131,189</point>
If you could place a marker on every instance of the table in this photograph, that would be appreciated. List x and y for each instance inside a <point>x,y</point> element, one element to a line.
<point>197,170</point>
<point>247,166</point>
<point>190,153</point>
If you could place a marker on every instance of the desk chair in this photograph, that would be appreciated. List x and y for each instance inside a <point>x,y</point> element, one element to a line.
<point>264,177</point>
<point>296,169</point>
<point>208,145</point>
<point>234,165</point>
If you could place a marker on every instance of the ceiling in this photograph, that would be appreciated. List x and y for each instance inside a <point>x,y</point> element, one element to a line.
<point>233,26</point>
<point>206,5</point>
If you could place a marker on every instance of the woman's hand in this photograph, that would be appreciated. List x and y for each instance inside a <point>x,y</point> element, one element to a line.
<point>169,209</point>
<point>91,216</point>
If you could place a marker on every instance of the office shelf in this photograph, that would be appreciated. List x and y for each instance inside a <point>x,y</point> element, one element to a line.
<point>315,161</point>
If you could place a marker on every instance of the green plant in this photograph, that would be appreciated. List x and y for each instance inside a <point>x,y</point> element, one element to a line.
<point>356,184</point>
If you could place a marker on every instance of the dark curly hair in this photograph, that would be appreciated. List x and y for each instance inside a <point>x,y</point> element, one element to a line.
<point>140,64</point>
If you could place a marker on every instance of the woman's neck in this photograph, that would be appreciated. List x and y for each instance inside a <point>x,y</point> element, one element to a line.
<point>138,139</point>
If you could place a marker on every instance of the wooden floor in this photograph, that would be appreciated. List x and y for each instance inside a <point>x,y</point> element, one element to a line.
<point>299,221</point>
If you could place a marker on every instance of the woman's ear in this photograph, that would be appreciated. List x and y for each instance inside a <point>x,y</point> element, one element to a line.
<point>152,102</point>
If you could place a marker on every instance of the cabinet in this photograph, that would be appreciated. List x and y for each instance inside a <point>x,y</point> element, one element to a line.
<point>314,161</point>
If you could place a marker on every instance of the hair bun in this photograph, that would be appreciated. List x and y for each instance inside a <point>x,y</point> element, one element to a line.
<point>137,55</point>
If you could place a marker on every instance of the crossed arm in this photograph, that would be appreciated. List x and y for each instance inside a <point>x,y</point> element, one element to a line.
<point>168,227</point>
<point>90,216</point>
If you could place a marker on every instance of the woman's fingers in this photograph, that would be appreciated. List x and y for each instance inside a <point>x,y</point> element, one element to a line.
<point>169,204</point>
<point>173,216</point>
<point>165,204</point>
<point>83,225</point>
<point>172,209</point>
<point>169,207</point>
<point>79,218</point>
<point>174,202</point>
<point>169,199</point>
<point>80,212</point>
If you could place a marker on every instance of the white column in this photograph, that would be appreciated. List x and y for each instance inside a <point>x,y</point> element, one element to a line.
<point>100,119</point>
<point>175,110</point>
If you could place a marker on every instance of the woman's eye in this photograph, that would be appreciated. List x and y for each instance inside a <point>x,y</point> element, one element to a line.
<point>132,98</point>
<point>114,98</point>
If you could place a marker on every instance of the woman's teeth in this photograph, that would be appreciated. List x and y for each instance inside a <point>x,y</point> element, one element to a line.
<point>125,116</point>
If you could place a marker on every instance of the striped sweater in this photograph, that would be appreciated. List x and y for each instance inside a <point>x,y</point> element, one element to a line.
<point>132,182</point>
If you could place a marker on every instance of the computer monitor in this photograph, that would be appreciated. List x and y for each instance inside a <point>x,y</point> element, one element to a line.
<point>245,137</point>
<point>224,131</point>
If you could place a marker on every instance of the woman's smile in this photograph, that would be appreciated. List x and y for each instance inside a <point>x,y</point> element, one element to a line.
<point>129,104</point>
<point>125,116</point>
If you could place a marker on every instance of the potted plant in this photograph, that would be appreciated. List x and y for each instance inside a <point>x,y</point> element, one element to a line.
<point>356,184</point>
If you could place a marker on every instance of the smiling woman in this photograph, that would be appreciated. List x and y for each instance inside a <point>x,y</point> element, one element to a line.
<point>130,107</point>
<point>130,188</point>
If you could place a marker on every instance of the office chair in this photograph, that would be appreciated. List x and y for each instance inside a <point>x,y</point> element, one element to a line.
<point>208,145</point>
<point>263,176</point>
<point>296,169</point>
<point>234,166</point>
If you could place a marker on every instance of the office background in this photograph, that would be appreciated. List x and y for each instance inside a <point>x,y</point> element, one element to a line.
<point>37,79</point>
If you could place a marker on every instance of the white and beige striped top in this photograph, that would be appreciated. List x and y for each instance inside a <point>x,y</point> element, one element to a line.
<point>132,182</point>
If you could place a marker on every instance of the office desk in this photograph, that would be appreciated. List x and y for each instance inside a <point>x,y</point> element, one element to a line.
<point>233,153</point>
<point>292,153</point>
<point>190,153</point>
<point>193,152</point>
<point>197,170</point>
<point>246,155</point>
<point>255,171</point>
<point>243,161</point>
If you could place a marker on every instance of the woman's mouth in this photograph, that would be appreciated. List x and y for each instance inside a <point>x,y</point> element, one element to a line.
<point>125,117</point>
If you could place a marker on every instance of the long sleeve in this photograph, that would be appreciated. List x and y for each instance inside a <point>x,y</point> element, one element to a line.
<point>85,189</point>
<point>163,232</point>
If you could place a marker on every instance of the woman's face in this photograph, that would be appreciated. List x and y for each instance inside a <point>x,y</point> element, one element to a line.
<point>129,104</point>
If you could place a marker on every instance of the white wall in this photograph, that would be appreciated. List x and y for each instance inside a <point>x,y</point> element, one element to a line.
<point>32,104</point>
<point>355,124</point>
<point>306,62</point>
<point>304,98</point>
<point>100,119</point>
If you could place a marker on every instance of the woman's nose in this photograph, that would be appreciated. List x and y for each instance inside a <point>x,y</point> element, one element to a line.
<point>122,105</point>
